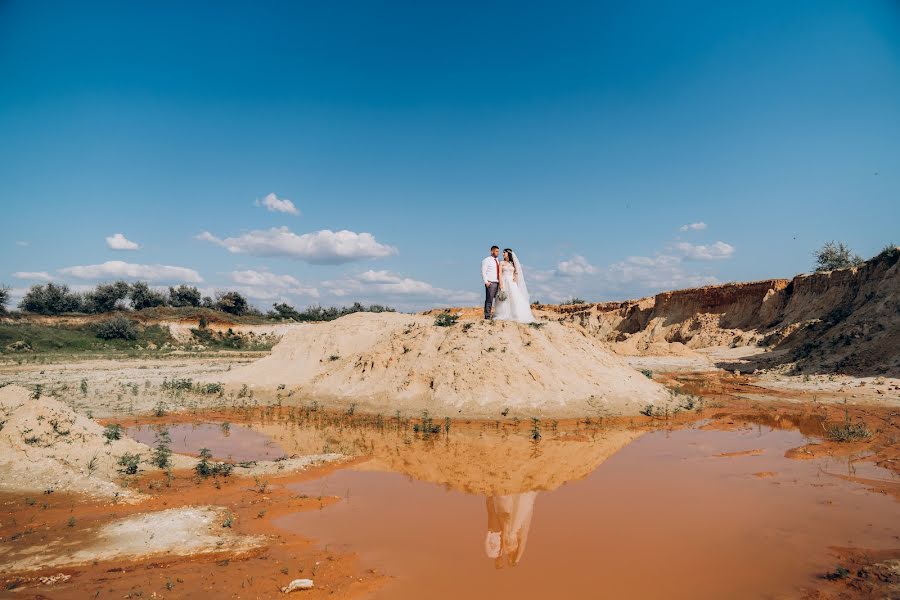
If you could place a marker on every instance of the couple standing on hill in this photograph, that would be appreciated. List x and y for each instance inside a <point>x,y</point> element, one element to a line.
<point>505,293</point>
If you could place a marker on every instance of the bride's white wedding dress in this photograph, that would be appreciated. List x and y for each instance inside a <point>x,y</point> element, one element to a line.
<point>517,305</point>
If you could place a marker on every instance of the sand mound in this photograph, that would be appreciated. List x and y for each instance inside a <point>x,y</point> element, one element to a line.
<point>45,445</point>
<point>387,362</point>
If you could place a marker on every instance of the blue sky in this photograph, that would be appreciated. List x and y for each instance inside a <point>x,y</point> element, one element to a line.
<point>583,135</point>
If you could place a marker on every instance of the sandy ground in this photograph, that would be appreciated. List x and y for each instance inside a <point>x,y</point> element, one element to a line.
<point>185,531</point>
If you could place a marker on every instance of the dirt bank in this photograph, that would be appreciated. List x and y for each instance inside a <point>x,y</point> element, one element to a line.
<point>387,362</point>
<point>845,321</point>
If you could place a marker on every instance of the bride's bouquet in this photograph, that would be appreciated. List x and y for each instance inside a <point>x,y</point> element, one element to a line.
<point>502,295</point>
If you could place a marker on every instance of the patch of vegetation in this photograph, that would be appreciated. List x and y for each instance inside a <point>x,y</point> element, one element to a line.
<point>4,297</point>
<point>838,573</point>
<point>445,319</point>
<point>50,299</point>
<point>286,312</point>
<point>836,255</point>
<point>427,427</point>
<point>535,429</point>
<point>206,468</point>
<point>143,296</point>
<point>576,300</point>
<point>184,295</point>
<point>890,253</point>
<point>536,325</point>
<point>229,340</point>
<point>129,463</point>
<point>210,388</point>
<point>176,385</point>
<point>647,373</point>
<point>232,303</point>
<point>117,328</point>
<point>112,432</point>
<point>40,338</point>
<point>848,431</point>
<point>162,454</point>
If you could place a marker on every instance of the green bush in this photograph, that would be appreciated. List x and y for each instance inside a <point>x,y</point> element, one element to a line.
<point>117,328</point>
<point>4,297</point>
<point>836,255</point>
<point>890,253</point>
<point>142,296</point>
<point>50,299</point>
<point>129,463</point>
<point>446,319</point>
<point>232,303</point>
<point>318,313</point>
<point>184,295</point>
<point>106,297</point>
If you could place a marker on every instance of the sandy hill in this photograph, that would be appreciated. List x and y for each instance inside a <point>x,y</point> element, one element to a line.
<point>387,362</point>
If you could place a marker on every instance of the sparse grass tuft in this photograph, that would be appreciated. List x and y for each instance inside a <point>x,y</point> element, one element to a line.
<point>112,432</point>
<point>848,431</point>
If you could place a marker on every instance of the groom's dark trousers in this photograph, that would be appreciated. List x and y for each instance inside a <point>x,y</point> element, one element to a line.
<point>490,292</point>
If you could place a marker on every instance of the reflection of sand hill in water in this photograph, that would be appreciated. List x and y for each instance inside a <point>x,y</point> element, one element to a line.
<point>486,463</point>
<point>384,362</point>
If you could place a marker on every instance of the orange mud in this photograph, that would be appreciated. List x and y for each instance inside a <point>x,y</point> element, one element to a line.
<point>256,574</point>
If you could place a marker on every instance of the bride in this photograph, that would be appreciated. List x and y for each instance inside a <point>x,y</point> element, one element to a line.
<point>513,303</point>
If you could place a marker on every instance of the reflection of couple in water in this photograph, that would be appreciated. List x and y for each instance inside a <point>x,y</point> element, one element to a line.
<point>509,518</point>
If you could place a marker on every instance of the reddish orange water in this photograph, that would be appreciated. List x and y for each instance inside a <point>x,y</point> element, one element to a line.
<point>231,442</point>
<point>662,518</point>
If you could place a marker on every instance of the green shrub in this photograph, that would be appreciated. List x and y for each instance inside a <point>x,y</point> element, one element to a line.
<point>207,468</point>
<point>162,454</point>
<point>184,295</point>
<point>318,313</point>
<point>836,255</point>
<point>142,296</point>
<point>106,297</point>
<point>848,431</point>
<point>117,328</point>
<point>4,297</point>
<point>50,299</point>
<point>129,463</point>
<point>112,432</point>
<point>232,303</point>
<point>445,319</point>
<point>890,253</point>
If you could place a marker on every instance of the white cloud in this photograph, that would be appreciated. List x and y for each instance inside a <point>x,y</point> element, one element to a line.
<point>118,268</point>
<point>659,273</point>
<point>386,286</point>
<point>22,243</point>
<point>321,247</point>
<point>698,226</point>
<point>575,266</point>
<point>275,204</point>
<point>263,285</point>
<point>33,275</point>
<point>117,241</point>
<point>715,251</point>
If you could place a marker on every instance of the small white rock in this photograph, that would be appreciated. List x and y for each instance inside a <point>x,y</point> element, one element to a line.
<point>297,584</point>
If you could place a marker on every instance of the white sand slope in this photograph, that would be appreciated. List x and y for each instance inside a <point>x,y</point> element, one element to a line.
<point>387,362</point>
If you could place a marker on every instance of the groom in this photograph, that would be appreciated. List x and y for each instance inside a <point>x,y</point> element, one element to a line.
<point>490,273</point>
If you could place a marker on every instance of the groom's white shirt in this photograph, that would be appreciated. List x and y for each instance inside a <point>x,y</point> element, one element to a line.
<point>489,267</point>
